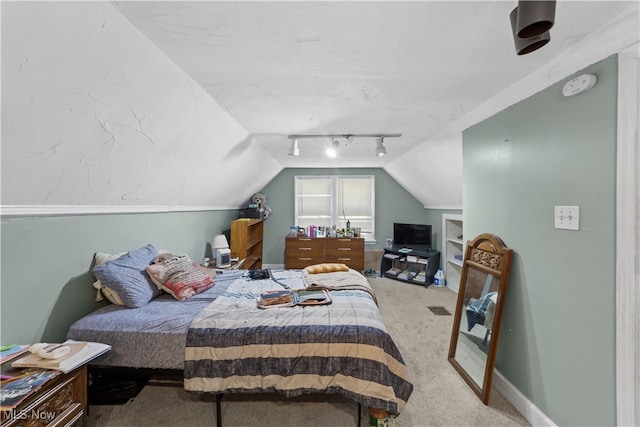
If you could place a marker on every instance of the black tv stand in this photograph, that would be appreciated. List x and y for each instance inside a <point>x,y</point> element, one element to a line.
<point>410,264</point>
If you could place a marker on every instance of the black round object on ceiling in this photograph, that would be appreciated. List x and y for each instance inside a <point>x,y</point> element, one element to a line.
<point>527,45</point>
<point>535,17</point>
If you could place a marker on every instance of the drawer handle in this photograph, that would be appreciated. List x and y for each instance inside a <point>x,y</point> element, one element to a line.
<point>344,240</point>
<point>344,249</point>
<point>304,259</point>
<point>305,249</point>
<point>344,259</point>
<point>304,240</point>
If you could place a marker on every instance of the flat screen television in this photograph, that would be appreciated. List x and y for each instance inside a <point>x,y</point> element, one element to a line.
<point>412,235</point>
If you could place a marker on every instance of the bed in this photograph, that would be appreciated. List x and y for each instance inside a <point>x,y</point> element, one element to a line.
<point>224,343</point>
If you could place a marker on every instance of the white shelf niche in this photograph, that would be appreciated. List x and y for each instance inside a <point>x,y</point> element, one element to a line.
<point>452,249</point>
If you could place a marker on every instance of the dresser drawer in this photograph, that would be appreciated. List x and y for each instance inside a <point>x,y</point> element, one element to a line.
<point>303,251</point>
<point>344,243</point>
<point>304,244</point>
<point>355,260</point>
<point>301,262</point>
<point>347,251</point>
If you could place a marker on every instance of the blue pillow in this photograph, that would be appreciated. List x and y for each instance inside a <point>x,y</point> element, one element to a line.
<point>128,278</point>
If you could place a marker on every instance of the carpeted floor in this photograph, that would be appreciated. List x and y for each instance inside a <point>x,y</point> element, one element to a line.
<point>440,396</point>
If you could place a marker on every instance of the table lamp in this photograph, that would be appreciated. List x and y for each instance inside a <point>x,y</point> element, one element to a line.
<point>223,254</point>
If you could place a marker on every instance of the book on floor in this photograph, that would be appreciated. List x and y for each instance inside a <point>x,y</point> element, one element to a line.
<point>80,353</point>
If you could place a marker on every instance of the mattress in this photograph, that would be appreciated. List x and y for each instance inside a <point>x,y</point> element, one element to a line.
<point>152,336</point>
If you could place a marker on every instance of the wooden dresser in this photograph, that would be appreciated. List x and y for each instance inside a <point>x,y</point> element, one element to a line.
<point>303,251</point>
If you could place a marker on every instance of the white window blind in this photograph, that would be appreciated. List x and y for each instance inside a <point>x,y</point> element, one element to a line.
<point>332,200</point>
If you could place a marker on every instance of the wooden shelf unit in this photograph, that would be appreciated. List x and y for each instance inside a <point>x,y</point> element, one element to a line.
<point>246,242</point>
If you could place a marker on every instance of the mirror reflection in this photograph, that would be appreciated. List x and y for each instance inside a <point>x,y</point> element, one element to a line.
<point>476,328</point>
<point>480,298</point>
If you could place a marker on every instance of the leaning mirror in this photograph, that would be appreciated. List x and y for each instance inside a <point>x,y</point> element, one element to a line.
<point>476,325</point>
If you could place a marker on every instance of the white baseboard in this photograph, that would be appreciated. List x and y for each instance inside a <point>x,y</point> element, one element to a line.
<point>531,412</point>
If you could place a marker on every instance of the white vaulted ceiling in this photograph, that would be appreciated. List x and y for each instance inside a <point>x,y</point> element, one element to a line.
<point>151,102</point>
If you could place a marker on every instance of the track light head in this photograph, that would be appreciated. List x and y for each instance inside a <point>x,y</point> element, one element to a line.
<point>294,150</point>
<point>380,148</point>
<point>526,45</point>
<point>535,17</point>
<point>332,151</point>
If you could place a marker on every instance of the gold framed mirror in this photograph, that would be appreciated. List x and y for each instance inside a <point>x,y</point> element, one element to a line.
<point>478,317</point>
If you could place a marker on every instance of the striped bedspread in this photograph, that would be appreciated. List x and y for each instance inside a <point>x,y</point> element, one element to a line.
<point>344,348</point>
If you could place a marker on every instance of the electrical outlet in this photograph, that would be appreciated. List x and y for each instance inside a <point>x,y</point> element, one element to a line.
<point>567,217</point>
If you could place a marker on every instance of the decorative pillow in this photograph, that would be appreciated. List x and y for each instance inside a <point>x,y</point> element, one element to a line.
<point>180,277</point>
<point>127,277</point>
<point>326,268</point>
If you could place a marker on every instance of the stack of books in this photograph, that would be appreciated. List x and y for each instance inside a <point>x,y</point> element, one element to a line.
<point>11,351</point>
<point>393,271</point>
<point>24,374</point>
<point>14,389</point>
<point>405,275</point>
<point>421,277</point>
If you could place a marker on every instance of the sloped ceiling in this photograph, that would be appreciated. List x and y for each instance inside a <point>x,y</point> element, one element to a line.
<point>189,104</point>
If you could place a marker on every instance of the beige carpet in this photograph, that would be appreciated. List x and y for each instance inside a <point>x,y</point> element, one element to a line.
<point>440,396</point>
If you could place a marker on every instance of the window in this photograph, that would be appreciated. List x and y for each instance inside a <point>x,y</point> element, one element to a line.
<point>332,200</point>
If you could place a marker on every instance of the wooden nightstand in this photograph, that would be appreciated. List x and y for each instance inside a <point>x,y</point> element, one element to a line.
<point>62,401</point>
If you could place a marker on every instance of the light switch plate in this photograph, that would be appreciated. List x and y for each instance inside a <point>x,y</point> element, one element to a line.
<point>567,217</point>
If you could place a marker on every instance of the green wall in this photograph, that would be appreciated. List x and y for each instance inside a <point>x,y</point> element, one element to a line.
<point>393,204</point>
<point>45,279</point>
<point>558,337</point>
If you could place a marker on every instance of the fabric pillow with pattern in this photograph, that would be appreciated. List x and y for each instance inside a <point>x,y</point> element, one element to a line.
<point>179,276</point>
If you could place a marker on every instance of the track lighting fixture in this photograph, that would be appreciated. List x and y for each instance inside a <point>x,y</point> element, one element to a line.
<point>530,24</point>
<point>294,150</point>
<point>380,148</point>
<point>332,151</point>
<point>534,17</point>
